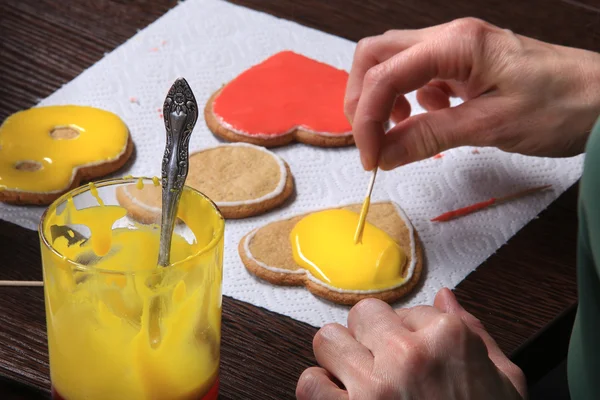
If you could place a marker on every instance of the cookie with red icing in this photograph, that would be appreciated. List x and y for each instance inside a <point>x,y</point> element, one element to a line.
<point>287,97</point>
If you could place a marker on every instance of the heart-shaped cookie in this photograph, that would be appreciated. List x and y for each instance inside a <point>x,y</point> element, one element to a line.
<point>287,97</point>
<point>268,253</point>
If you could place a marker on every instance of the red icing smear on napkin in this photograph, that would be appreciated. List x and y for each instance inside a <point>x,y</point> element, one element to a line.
<point>285,92</point>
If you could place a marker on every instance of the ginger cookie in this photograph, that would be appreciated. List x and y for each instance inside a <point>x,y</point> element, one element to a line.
<point>47,151</point>
<point>243,180</point>
<point>388,267</point>
<point>288,97</point>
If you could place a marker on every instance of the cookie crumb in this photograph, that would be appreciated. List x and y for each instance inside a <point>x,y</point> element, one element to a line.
<point>438,156</point>
<point>135,100</point>
<point>475,151</point>
<point>154,49</point>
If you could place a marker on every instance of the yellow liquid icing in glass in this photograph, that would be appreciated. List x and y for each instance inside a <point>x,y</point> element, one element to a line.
<point>126,328</point>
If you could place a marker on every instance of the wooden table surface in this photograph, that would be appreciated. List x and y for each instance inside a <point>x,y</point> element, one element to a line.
<point>524,294</point>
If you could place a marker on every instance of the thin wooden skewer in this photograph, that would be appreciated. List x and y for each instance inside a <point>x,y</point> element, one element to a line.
<point>22,283</point>
<point>365,210</point>
<point>485,204</point>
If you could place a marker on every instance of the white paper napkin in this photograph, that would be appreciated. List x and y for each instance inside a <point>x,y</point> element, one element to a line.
<point>209,42</point>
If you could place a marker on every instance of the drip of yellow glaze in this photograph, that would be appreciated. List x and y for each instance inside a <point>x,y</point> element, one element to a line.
<point>94,192</point>
<point>128,177</point>
<point>155,181</point>
<point>179,292</point>
<point>192,211</point>
<point>323,244</point>
<point>140,183</point>
<point>98,219</point>
<point>26,136</point>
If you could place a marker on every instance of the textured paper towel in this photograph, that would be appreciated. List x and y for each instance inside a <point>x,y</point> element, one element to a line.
<point>209,42</point>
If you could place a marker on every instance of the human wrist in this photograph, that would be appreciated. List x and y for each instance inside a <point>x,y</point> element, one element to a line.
<point>589,68</point>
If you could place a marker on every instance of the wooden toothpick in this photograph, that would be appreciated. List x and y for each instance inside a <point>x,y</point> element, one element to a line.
<point>22,283</point>
<point>365,210</point>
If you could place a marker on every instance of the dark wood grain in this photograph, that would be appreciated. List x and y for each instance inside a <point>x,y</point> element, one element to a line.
<point>568,22</point>
<point>517,293</point>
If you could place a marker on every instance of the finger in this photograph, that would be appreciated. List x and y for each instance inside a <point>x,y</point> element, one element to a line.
<point>404,72</point>
<point>446,302</point>
<point>371,320</point>
<point>425,135</point>
<point>448,87</point>
<point>317,384</point>
<point>370,52</point>
<point>375,50</point>
<point>341,354</point>
<point>418,317</point>
<point>401,109</point>
<point>432,98</point>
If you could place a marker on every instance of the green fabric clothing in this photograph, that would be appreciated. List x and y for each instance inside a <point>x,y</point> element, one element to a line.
<point>584,350</point>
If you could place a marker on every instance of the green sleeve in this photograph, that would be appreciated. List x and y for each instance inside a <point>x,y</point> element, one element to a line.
<point>584,350</point>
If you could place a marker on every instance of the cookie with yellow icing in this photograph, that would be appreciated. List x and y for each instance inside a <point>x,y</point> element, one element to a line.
<point>243,180</point>
<point>317,250</point>
<point>47,151</point>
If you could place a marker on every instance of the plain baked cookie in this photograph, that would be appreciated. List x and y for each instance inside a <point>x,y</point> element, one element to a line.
<point>288,97</point>
<point>48,151</point>
<point>243,180</point>
<point>267,253</point>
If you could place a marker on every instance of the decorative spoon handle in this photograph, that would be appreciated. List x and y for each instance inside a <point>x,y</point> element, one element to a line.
<point>180,111</point>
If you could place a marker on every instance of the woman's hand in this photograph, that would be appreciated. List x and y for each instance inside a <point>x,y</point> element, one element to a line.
<point>520,94</point>
<point>439,352</point>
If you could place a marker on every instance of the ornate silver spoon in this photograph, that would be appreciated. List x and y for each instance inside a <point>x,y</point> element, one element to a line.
<point>180,111</point>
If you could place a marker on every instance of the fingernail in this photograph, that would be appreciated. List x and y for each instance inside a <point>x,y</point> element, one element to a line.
<point>365,161</point>
<point>451,298</point>
<point>349,118</point>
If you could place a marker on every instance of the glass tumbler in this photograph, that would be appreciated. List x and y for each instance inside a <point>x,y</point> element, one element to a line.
<point>119,325</point>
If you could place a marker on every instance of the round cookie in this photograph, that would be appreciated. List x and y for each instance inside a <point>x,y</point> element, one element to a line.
<point>243,180</point>
<point>47,151</point>
<point>288,97</point>
<point>267,253</point>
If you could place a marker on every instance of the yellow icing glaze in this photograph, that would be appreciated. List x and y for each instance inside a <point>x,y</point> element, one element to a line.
<point>323,244</point>
<point>140,183</point>
<point>155,181</point>
<point>25,136</point>
<point>127,328</point>
<point>94,192</point>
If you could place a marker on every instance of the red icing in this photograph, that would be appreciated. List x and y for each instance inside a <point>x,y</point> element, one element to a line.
<point>282,93</point>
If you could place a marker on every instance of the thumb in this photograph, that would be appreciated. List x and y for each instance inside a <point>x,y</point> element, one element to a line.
<point>425,135</point>
<point>316,383</point>
<point>445,301</point>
